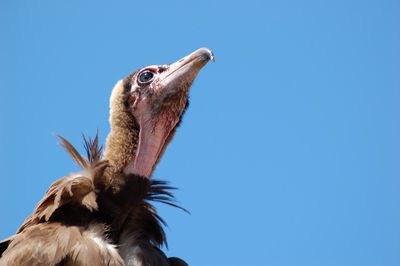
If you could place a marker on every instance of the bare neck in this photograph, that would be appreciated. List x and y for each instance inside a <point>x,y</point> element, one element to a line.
<point>133,147</point>
<point>152,139</point>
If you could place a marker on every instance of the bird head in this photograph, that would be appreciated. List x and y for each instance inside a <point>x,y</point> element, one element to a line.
<point>146,108</point>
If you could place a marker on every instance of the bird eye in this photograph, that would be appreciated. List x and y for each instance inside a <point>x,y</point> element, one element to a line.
<point>146,77</point>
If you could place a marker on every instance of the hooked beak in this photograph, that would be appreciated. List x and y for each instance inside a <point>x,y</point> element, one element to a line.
<point>184,71</point>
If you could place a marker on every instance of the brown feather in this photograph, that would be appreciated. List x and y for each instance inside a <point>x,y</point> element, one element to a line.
<point>78,188</point>
<point>67,224</point>
<point>82,162</point>
<point>53,243</point>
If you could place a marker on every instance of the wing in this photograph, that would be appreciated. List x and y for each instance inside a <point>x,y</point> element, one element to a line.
<point>174,261</point>
<point>4,244</point>
<point>55,232</point>
<point>55,243</point>
<point>77,189</point>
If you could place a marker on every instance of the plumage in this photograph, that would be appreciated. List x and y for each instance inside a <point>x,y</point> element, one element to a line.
<point>103,215</point>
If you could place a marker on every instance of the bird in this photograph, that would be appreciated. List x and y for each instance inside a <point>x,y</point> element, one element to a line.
<point>104,214</point>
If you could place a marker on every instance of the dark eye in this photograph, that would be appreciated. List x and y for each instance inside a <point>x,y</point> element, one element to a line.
<point>146,77</point>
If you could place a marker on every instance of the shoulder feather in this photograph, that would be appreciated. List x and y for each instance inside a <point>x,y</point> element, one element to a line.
<point>77,188</point>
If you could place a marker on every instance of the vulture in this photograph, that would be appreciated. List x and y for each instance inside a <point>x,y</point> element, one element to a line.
<point>103,215</point>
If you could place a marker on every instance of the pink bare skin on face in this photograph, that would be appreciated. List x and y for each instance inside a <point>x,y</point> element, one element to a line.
<point>157,99</point>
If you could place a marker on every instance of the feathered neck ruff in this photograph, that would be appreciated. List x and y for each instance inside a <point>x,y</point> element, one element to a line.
<point>87,197</point>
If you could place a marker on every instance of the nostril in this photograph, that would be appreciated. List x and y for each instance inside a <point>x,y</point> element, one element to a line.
<point>161,69</point>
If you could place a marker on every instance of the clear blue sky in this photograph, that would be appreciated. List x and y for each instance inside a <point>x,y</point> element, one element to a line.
<point>289,154</point>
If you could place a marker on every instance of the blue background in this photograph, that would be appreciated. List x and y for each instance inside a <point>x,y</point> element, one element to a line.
<point>289,153</point>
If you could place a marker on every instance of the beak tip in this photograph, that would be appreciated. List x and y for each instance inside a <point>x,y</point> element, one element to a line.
<point>206,52</point>
<point>212,57</point>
